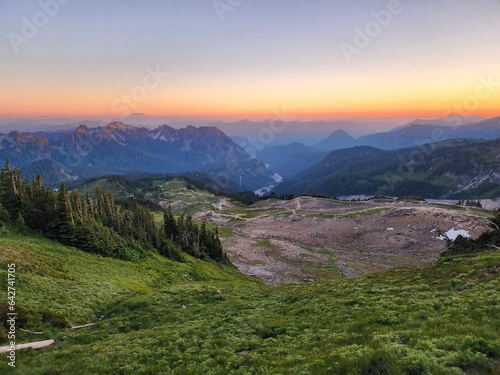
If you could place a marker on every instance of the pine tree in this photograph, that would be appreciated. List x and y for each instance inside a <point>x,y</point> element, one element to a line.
<point>39,205</point>
<point>217,251</point>
<point>63,224</point>
<point>170,226</point>
<point>11,190</point>
<point>20,223</point>
<point>204,240</point>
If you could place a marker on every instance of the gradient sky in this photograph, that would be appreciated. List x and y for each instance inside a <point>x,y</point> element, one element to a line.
<point>431,59</point>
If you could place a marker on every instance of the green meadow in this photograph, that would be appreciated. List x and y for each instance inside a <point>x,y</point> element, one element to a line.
<point>157,316</point>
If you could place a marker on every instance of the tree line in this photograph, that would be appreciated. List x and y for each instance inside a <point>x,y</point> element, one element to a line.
<point>95,223</point>
<point>470,203</point>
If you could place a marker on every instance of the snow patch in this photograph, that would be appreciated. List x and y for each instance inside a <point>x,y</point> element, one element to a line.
<point>267,189</point>
<point>263,191</point>
<point>452,234</point>
<point>277,178</point>
<point>356,197</point>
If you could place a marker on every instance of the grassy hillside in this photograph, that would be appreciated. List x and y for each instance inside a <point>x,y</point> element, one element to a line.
<point>443,318</point>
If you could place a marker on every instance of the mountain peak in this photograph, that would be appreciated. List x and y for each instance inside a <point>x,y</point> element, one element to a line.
<point>82,129</point>
<point>116,124</point>
<point>341,132</point>
<point>164,127</point>
<point>338,139</point>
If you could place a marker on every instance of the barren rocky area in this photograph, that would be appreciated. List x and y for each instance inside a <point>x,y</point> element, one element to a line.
<point>308,238</point>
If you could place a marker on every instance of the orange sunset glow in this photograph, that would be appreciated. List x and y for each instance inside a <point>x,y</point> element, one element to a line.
<point>247,65</point>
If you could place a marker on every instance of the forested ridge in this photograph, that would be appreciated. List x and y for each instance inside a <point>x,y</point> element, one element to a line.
<point>455,169</point>
<point>95,223</point>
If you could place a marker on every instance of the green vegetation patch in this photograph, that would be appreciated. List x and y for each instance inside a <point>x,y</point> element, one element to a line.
<point>166,317</point>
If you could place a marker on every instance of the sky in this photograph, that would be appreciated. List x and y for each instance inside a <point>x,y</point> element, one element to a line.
<point>235,59</point>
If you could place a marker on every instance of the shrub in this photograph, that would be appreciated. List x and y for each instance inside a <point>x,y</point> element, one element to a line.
<point>265,332</point>
<point>55,319</point>
<point>22,317</point>
<point>468,360</point>
<point>419,364</point>
<point>481,345</point>
<point>380,362</point>
<point>388,319</point>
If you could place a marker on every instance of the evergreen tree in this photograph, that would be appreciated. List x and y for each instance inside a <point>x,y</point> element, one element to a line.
<point>10,190</point>
<point>63,224</point>
<point>170,226</point>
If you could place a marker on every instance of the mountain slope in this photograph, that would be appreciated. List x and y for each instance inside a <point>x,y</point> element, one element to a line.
<point>118,148</point>
<point>450,169</point>
<point>156,316</point>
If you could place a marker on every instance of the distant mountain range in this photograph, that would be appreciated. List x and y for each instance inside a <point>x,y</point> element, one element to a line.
<point>118,148</point>
<point>416,133</point>
<point>296,157</point>
<point>450,169</point>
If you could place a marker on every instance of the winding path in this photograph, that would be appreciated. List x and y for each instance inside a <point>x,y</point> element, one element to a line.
<point>298,207</point>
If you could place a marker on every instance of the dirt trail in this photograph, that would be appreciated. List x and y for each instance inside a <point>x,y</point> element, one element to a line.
<point>298,207</point>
